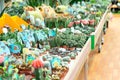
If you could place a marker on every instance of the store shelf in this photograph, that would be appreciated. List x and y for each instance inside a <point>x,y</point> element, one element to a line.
<point>100,27</point>
<point>77,64</point>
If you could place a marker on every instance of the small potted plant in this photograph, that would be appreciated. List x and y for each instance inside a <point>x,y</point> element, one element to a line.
<point>38,65</point>
<point>25,69</point>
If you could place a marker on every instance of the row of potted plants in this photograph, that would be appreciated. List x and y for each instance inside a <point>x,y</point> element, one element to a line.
<point>45,51</point>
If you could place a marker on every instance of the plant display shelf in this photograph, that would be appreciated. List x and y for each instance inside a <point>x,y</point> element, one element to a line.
<point>82,59</point>
<point>97,36</point>
<point>80,62</point>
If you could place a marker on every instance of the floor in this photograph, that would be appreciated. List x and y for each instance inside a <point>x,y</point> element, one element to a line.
<point>106,65</point>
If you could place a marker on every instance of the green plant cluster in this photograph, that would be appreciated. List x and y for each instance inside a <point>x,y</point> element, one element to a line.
<point>86,30</point>
<point>9,35</point>
<point>57,22</point>
<point>64,2</point>
<point>69,39</point>
<point>36,3</point>
<point>15,9</point>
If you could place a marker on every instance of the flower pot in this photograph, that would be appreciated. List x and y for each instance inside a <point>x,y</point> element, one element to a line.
<point>25,71</point>
<point>71,49</point>
<point>65,47</point>
<point>91,22</point>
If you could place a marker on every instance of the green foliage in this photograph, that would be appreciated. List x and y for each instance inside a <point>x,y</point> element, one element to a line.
<point>86,30</point>
<point>52,3</point>
<point>69,39</point>
<point>74,1</point>
<point>64,2</point>
<point>93,1</point>
<point>15,9</point>
<point>34,3</point>
<point>55,42</point>
<point>9,35</point>
<point>50,22</point>
<point>57,22</point>
<point>67,22</point>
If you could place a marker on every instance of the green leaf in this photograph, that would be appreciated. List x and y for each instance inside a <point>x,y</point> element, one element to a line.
<point>3,10</point>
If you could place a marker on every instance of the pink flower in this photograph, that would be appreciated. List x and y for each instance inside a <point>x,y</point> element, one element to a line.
<point>77,22</point>
<point>92,22</point>
<point>70,24</point>
<point>85,22</point>
<point>1,59</point>
<point>37,63</point>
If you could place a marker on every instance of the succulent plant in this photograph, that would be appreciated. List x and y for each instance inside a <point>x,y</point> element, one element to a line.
<point>55,42</point>
<point>38,64</point>
<point>64,2</point>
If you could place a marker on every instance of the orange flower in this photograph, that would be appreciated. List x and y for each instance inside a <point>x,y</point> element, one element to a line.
<point>37,64</point>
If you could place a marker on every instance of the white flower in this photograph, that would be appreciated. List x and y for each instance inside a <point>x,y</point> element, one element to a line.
<point>5,30</point>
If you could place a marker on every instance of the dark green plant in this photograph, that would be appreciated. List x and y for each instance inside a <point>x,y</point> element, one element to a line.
<point>7,1</point>
<point>34,3</point>
<point>15,9</point>
<point>64,2</point>
<point>9,35</point>
<point>67,21</point>
<point>52,3</point>
<point>55,42</point>
<point>75,1</point>
<point>69,39</point>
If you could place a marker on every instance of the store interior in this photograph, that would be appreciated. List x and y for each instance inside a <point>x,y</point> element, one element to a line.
<point>59,39</point>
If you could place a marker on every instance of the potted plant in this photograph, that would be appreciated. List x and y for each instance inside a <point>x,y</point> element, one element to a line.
<point>38,65</point>
<point>25,69</point>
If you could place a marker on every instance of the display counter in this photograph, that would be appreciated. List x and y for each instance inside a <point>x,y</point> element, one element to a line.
<point>97,36</point>
<point>77,64</point>
<point>81,60</point>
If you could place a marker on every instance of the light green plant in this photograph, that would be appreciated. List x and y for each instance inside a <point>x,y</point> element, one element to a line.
<point>34,3</point>
<point>64,2</point>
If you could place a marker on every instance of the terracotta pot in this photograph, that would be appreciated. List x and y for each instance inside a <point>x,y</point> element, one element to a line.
<point>65,47</point>
<point>91,22</point>
<point>71,49</point>
<point>25,71</point>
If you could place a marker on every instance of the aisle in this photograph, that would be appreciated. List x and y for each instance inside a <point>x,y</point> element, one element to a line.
<point>106,65</point>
